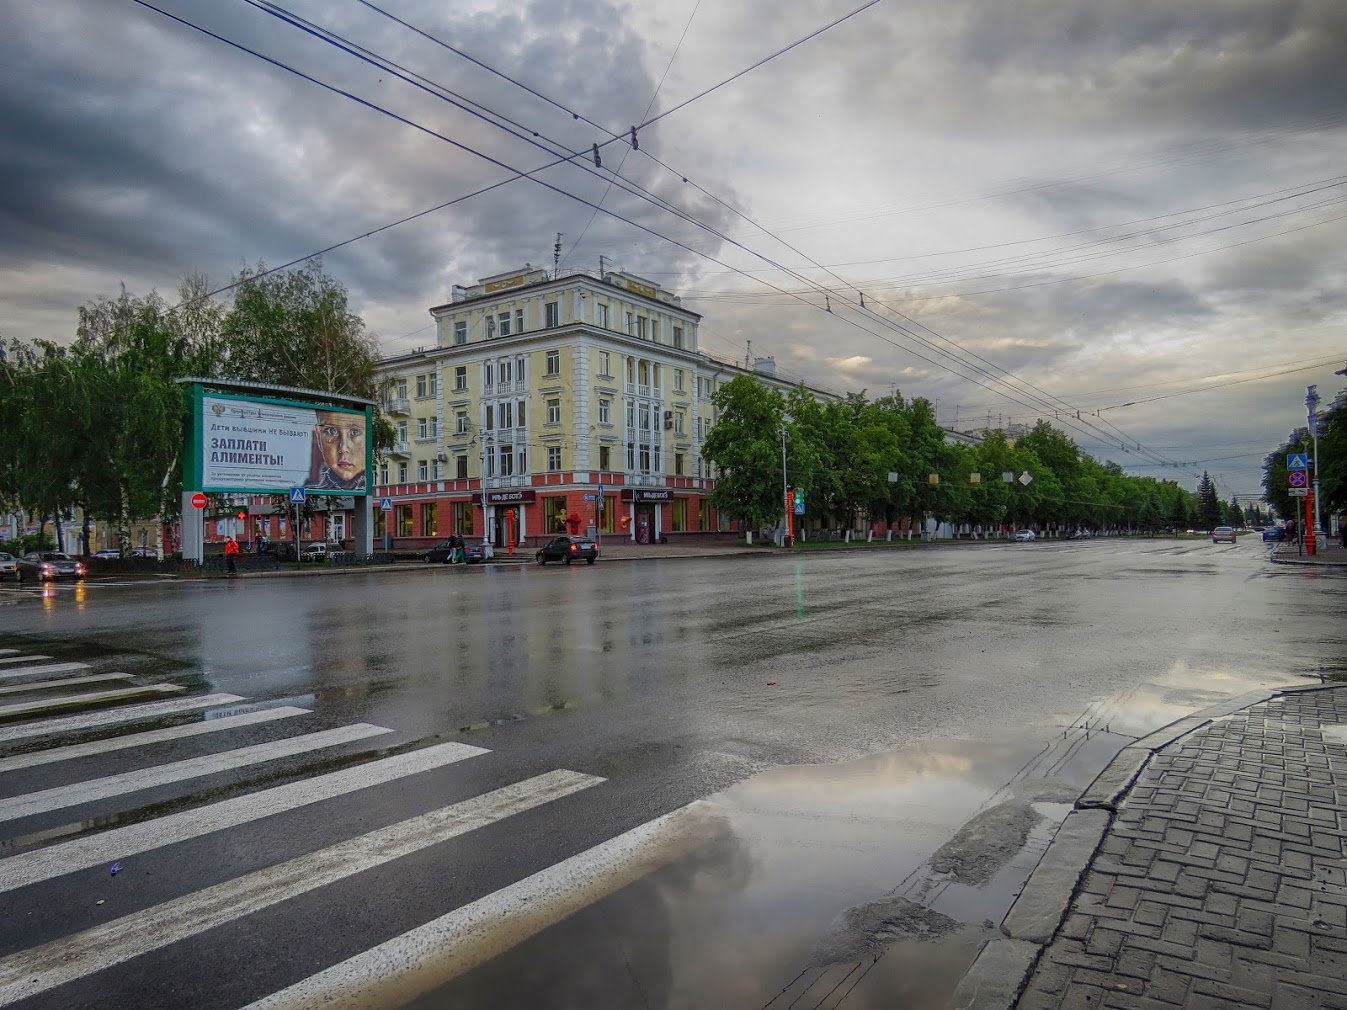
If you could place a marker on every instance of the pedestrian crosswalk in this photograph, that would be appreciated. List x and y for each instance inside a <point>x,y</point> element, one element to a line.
<point>54,764</point>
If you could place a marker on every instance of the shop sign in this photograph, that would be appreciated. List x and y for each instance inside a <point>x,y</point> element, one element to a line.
<point>638,494</point>
<point>509,497</point>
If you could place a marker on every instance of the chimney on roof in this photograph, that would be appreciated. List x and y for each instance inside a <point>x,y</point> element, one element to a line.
<point>765,366</point>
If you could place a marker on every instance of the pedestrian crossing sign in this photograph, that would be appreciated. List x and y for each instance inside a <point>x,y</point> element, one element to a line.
<point>386,504</point>
<point>296,496</point>
<point>1297,461</point>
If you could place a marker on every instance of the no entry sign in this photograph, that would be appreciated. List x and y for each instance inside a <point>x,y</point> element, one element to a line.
<point>198,500</point>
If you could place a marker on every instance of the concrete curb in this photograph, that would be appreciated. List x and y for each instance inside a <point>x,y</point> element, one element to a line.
<point>1004,965</point>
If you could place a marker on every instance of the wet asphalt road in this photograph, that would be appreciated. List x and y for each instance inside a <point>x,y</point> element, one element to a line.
<point>931,685</point>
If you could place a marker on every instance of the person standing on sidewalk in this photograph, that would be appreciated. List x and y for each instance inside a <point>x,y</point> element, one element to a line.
<point>231,556</point>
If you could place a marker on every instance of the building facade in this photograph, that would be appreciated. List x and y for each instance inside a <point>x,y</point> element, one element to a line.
<point>550,404</point>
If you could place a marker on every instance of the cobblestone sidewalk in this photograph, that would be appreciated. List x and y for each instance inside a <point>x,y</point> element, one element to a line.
<point>1222,880</point>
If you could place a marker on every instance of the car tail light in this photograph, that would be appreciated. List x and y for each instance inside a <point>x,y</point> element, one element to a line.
<point>573,547</point>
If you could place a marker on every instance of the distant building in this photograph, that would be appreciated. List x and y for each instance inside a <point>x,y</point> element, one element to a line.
<point>551,404</point>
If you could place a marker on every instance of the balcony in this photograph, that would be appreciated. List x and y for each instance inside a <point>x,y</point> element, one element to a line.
<point>397,405</point>
<point>644,479</point>
<point>400,447</point>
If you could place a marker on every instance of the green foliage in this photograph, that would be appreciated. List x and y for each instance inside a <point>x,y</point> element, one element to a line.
<point>745,446</point>
<point>1210,513</point>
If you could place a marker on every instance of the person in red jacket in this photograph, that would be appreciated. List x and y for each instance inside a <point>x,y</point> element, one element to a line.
<point>231,556</point>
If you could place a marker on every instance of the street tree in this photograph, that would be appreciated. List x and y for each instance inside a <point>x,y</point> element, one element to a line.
<point>1209,511</point>
<point>745,447</point>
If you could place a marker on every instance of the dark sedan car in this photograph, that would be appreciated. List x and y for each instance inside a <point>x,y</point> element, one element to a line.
<point>44,566</point>
<point>1272,533</point>
<point>568,549</point>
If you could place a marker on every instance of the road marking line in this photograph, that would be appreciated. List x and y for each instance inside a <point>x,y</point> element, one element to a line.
<point>429,956</point>
<point>94,720</point>
<point>60,797</point>
<point>133,839</point>
<point>22,659</point>
<point>79,750</point>
<point>47,685</point>
<point>8,652</point>
<point>43,968</point>
<point>79,701</point>
<point>29,671</point>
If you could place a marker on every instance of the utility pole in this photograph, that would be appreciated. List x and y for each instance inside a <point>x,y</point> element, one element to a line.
<point>486,537</point>
<point>1312,406</point>
<point>785,490</point>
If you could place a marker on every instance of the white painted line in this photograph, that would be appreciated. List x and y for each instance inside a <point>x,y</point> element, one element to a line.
<point>32,671</point>
<point>431,955</point>
<point>8,652</point>
<point>22,659</point>
<point>31,972</point>
<point>95,720</point>
<point>133,839</point>
<point>79,750</point>
<point>60,797</point>
<point>79,701</point>
<point>47,685</point>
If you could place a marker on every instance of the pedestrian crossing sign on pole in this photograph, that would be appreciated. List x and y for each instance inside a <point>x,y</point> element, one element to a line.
<point>296,496</point>
<point>386,504</point>
<point>1297,461</point>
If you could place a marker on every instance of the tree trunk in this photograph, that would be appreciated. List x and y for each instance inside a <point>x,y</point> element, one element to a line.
<point>124,520</point>
<point>87,552</point>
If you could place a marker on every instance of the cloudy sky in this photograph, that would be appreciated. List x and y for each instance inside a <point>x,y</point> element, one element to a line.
<point>1135,211</point>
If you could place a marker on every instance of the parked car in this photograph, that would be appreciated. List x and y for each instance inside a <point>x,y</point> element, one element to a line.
<point>108,554</point>
<point>1025,535</point>
<point>568,549</point>
<point>46,566</point>
<point>1273,533</point>
<point>442,553</point>
<point>474,553</point>
<point>319,552</point>
<point>1223,533</point>
<point>9,565</point>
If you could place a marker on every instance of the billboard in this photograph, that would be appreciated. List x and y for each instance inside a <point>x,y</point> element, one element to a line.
<point>260,445</point>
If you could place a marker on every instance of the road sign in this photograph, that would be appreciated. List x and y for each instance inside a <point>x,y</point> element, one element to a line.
<point>386,504</point>
<point>1299,492</point>
<point>296,496</point>
<point>1026,478</point>
<point>1297,478</point>
<point>591,497</point>
<point>198,500</point>
<point>1297,461</point>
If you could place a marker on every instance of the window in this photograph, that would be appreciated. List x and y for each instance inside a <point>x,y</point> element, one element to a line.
<point>645,417</point>
<point>680,515</point>
<point>461,378</point>
<point>553,363</point>
<point>461,422</point>
<point>487,374</point>
<point>421,427</point>
<point>420,387</point>
<point>519,320</point>
<point>605,365</point>
<point>434,469</point>
<point>678,464</point>
<point>604,458</point>
<point>703,515</point>
<point>490,417</point>
<point>554,458</point>
<point>554,411</point>
<point>430,523</point>
<point>645,458</point>
<point>654,330</point>
<point>433,383</point>
<point>605,412</point>
<point>551,314</point>
<point>402,431</point>
<point>460,331</point>
<point>554,515</point>
<point>678,337</point>
<point>522,460</point>
<point>519,413</point>
<point>520,372</point>
<point>504,371</point>
<point>507,460</point>
<point>640,327</point>
<point>631,455</point>
<point>422,470</point>
<point>461,467</point>
<point>489,462</point>
<point>383,474</point>
<point>631,323</point>
<point>643,373</point>
<point>434,427</point>
<point>490,325</point>
<point>602,312</point>
<point>402,473</point>
<point>404,520</point>
<point>506,414</point>
<point>400,389</point>
<point>504,324</point>
<point>463,518</point>
<point>678,380</point>
<point>680,422</point>
<point>631,414</point>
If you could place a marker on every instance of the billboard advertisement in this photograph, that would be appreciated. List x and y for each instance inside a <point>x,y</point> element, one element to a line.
<point>252,444</point>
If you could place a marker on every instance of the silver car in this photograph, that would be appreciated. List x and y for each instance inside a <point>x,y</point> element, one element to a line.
<point>1223,533</point>
<point>44,566</point>
<point>9,566</point>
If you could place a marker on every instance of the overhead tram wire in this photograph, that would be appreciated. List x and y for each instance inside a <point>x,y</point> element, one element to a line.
<point>421,128</point>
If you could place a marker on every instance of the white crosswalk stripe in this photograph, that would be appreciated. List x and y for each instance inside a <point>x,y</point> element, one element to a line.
<point>10,672</point>
<point>22,659</point>
<point>48,685</point>
<point>46,800</point>
<point>8,652</point>
<point>113,717</point>
<point>79,750</point>
<point>40,969</point>
<point>81,701</point>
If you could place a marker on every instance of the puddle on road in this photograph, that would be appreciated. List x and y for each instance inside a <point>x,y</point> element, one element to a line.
<point>819,881</point>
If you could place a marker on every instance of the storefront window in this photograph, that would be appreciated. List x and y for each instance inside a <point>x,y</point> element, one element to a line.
<point>704,510</point>
<point>554,515</point>
<point>380,523</point>
<point>404,520</point>
<point>680,515</point>
<point>609,508</point>
<point>429,520</point>
<point>463,518</point>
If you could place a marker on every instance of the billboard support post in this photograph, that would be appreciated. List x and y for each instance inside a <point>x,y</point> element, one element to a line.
<point>193,529</point>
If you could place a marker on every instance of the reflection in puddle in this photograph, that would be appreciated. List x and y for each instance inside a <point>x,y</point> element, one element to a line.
<point>818,882</point>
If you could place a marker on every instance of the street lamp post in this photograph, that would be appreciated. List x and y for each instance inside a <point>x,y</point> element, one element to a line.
<point>486,533</point>
<point>1312,406</point>
<point>785,488</point>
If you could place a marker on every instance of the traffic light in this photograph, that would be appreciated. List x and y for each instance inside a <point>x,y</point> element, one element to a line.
<point>242,516</point>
